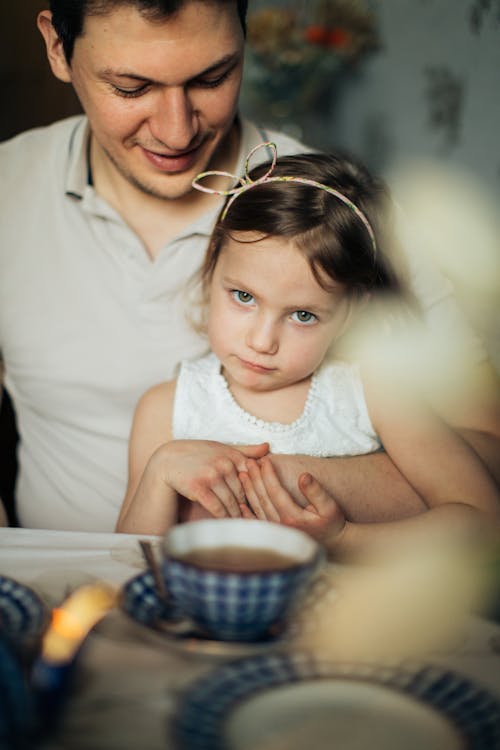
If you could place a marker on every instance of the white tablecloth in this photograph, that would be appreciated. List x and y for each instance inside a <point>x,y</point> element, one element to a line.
<point>129,677</point>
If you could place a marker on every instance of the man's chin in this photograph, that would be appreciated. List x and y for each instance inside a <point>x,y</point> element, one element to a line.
<point>173,187</point>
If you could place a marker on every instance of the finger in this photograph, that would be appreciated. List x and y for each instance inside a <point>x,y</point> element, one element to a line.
<point>224,482</point>
<point>212,492</point>
<point>315,493</point>
<point>246,512</point>
<point>254,451</point>
<point>256,494</point>
<point>256,474</point>
<point>322,502</point>
<point>226,470</point>
<point>252,499</point>
<point>226,496</point>
<point>234,484</point>
<point>279,497</point>
<point>206,498</point>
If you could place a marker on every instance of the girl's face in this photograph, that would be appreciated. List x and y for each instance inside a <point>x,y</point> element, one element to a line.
<point>270,322</point>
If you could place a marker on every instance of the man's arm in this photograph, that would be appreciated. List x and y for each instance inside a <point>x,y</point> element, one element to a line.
<point>476,415</point>
<point>368,488</point>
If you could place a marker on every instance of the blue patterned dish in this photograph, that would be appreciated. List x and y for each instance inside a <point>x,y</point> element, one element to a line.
<point>17,720</point>
<point>139,600</point>
<point>293,701</point>
<point>236,604</point>
<point>23,615</point>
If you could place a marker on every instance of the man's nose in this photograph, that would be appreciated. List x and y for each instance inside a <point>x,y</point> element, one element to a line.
<point>174,122</point>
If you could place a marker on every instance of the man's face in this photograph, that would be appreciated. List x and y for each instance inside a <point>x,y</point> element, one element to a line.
<point>160,96</point>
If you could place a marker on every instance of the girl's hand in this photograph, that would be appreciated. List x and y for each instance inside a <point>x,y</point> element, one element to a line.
<point>206,472</point>
<point>268,500</point>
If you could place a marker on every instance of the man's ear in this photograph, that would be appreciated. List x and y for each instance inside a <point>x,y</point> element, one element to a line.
<point>55,52</point>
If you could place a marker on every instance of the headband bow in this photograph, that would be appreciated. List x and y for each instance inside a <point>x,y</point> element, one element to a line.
<point>246,183</point>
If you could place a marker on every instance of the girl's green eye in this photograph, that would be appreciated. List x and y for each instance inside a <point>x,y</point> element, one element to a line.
<point>242,297</point>
<point>302,316</point>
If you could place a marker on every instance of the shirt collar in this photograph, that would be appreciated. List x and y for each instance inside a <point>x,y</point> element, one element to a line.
<point>78,171</point>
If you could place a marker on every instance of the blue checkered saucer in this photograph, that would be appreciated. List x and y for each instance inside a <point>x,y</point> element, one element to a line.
<point>140,601</point>
<point>23,615</point>
<point>208,711</point>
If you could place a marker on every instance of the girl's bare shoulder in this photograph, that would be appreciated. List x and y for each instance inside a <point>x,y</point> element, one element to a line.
<point>157,400</point>
<point>160,392</point>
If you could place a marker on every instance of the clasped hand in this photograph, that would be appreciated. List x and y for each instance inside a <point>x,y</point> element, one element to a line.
<point>242,482</point>
<point>207,472</point>
<point>267,499</point>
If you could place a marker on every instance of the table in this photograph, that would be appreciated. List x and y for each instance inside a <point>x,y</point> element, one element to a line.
<point>130,677</point>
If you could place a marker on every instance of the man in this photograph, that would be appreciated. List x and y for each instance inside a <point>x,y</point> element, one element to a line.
<point>99,235</point>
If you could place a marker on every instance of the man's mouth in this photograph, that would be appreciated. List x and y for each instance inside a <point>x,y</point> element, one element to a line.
<point>172,163</point>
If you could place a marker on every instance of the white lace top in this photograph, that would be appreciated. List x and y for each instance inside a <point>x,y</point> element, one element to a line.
<point>334,422</point>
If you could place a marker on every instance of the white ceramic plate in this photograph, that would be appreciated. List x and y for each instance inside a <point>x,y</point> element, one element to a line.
<point>280,702</point>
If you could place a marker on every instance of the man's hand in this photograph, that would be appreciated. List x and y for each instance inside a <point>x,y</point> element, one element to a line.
<point>321,516</point>
<point>206,472</point>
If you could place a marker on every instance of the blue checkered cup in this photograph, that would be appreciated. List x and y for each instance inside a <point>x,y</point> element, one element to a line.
<point>237,579</point>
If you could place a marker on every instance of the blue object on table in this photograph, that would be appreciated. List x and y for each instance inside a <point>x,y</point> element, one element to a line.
<point>23,616</point>
<point>207,707</point>
<point>140,600</point>
<point>231,602</point>
<point>51,686</point>
<point>17,718</point>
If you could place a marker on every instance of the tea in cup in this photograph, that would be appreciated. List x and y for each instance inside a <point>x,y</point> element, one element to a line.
<point>236,577</point>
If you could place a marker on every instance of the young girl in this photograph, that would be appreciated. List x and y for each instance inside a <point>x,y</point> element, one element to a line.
<point>300,246</point>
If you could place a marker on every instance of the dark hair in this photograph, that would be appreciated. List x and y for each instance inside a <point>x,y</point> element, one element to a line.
<point>68,16</point>
<point>332,237</point>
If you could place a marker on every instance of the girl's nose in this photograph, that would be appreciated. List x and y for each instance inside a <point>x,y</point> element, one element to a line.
<point>174,121</point>
<point>263,336</point>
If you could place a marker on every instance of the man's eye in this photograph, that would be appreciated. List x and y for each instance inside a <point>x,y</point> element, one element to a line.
<point>130,93</point>
<point>302,316</point>
<point>244,298</point>
<point>212,83</point>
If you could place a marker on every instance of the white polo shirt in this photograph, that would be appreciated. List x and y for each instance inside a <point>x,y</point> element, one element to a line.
<point>88,322</point>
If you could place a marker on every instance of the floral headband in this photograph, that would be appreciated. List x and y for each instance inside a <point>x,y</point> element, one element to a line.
<point>246,183</point>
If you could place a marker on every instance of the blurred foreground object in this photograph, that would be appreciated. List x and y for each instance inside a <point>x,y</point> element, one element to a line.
<point>53,671</point>
<point>455,223</point>
<point>450,225</point>
<point>407,604</point>
<point>74,619</point>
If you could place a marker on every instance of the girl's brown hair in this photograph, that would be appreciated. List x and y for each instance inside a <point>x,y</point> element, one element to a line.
<point>333,239</point>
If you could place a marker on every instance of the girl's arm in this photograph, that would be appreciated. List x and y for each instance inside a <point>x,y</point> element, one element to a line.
<point>150,505</point>
<point>372,488</point>
<point>163,471</point>
<point>436,461</point>
<point>459,494</point>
